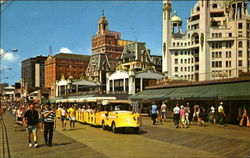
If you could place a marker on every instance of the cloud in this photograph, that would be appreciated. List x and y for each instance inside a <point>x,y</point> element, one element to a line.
<point>65,50</point>
<point>8,57</point>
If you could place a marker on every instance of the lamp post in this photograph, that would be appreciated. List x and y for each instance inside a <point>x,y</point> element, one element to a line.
<point>1,56</point>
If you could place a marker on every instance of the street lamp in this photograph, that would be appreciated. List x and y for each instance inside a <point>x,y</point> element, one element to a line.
<point>1,56</point>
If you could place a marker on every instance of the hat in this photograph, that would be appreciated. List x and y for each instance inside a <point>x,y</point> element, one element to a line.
<point>221,103</point>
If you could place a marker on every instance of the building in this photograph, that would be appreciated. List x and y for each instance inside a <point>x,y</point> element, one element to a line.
<point>8,94</point>
<point>97,68</point>
<point>137,56</point>
<point>136,70</point>
<point>33,75</point>
<point>66,65</point>
<point>216,44</point>
<point>107,47</point>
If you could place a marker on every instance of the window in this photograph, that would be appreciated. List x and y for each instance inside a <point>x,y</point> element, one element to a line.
<point>185,61</point>
<point>176,69</point>
<point>188,60</point>
<point>174,44</point>
<point>239,25</point>
<point>240,53</point>
<point>220,55</point>
<point>176,54</point>
<point>228,44</point>
<point>181,69</point>
<point>240,33</point>
<point>198,8</point>
<point>185,69</point>
<point>240,63</point>
<point>240,44</point>
<point>181,61</point>
<point>176,61</point>
<point>229,34</point>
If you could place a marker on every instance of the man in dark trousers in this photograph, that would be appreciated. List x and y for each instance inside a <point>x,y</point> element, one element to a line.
<point>49,124</point>
<point>30,121</point>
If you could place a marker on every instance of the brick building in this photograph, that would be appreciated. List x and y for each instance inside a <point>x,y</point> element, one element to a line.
<point>65,65</point>
<point>33,73</point>
<point>106,46</point>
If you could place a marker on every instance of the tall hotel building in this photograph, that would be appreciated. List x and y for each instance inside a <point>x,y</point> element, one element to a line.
<point>216,44</point>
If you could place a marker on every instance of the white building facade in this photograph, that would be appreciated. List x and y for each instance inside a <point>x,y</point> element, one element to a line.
<point>216,44</point>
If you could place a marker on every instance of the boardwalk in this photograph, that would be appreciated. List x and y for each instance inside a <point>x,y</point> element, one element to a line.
<point>153,141</point>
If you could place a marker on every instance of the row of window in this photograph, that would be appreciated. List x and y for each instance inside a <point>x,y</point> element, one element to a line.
<point>187,52</point>
<point>190,77</point>
<point>218,64</point>
<point>228,54</point>
<point>185,69</point>
<point>185,61</point>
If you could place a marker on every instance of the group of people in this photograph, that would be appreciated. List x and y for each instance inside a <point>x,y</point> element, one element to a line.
<point>33,118</point>
<point>67,113</point>
<point>181,114</point>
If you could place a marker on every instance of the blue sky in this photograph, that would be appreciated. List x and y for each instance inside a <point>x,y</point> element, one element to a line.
<point>33,26</point>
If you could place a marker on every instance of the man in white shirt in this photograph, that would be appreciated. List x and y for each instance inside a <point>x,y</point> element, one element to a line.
<point>176,115</point>
<point>164,111</point>
<point>212,115</point>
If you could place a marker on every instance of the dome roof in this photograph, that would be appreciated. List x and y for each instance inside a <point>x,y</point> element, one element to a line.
<point>176,18</point>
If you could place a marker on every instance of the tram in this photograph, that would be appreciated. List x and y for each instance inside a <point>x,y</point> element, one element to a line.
<point>104,111</point>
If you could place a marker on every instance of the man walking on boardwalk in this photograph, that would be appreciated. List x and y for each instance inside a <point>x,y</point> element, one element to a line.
<point>31,121</point>
<point>49,124</point>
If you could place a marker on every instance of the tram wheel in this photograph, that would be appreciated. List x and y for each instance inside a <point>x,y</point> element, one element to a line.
<point>114,129</point>
<point>103,126</point>
<point>136,130</point>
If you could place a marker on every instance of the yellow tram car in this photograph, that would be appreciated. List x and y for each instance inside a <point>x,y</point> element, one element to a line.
<point>107,112</point>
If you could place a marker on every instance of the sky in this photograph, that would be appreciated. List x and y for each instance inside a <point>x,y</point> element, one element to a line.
<point>68,26</point>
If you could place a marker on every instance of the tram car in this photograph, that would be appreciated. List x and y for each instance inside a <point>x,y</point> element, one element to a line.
<point>104,111</point>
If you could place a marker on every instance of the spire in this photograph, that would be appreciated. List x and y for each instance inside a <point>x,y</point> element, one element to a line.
<point>102,12</point>
<point>102,24</point>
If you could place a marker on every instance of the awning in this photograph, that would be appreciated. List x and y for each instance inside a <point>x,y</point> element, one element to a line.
<point>152,94</point>
<point>222,91</point>
<point>187,92</point>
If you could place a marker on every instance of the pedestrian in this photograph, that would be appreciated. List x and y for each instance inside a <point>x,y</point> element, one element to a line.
<point>244,116</point>
<point>221,115</point>
<point>153,112</point>
<point>164,111</point>
<point>201,115</point>
<point>31,121</point>
<point>182,116</point>
<point>49,124</point>
<point>176,115</point>
<point>212,115</point>
<point>63,117</point>
<point>72,116</point>
<point>41,119</point>
<point>187,112</point>
<point>196,112</point>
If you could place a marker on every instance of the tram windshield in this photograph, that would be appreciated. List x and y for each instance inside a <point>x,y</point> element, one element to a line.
<point>120,107</point>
